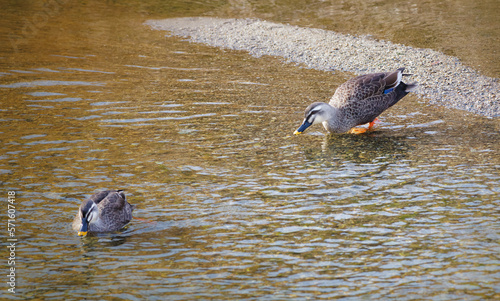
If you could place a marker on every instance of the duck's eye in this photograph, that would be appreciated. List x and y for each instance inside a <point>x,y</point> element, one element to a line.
<point>312,115</point>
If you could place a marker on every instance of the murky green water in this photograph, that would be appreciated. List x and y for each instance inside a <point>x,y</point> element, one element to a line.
<point>229,204</point>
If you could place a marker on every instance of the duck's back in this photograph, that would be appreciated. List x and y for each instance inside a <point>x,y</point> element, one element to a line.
<point>115,211</point>
<point>361,87</point>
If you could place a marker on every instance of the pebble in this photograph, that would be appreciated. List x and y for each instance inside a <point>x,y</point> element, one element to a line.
<point>442,79</point>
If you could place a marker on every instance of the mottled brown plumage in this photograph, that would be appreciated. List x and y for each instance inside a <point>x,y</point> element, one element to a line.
<point>104,211</point>
<point>358,101</point>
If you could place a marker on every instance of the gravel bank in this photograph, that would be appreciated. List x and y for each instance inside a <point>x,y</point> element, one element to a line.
<point>442,79</point>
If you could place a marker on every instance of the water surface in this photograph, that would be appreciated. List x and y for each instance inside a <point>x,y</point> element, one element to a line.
<point>230,205</point>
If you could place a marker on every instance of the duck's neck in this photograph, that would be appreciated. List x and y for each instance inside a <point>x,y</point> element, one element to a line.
<point>332,122</point>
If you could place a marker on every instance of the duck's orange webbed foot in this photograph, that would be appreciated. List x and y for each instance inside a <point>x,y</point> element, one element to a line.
<point>364,130</point>
<point>358,131</point>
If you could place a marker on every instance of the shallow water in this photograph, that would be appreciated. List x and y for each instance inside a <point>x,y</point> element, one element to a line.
<point>230,205</point>
<point>467,29</point>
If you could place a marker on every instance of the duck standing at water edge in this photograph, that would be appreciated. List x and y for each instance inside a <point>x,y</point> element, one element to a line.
<point>104,211</point>
<point>358,101</point>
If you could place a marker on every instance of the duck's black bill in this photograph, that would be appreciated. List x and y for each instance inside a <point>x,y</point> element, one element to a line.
<point>302,128</point>
<point>84,228</point>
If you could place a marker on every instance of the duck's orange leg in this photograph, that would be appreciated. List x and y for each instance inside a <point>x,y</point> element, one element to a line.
<point>371,124</point>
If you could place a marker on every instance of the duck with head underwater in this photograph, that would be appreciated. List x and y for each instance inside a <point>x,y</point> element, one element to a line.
<point>105,211</point>
<point>358,101</point>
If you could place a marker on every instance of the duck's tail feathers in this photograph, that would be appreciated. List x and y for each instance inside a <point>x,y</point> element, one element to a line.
<point>121,193</point>
<point>411,87</point>
<point>393,79</point>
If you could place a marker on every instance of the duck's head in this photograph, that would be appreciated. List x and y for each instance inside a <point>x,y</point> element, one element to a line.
<point>88,213</point>
<point>315,113</point>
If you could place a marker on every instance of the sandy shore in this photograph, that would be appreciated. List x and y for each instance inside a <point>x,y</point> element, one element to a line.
<point>442,79</point>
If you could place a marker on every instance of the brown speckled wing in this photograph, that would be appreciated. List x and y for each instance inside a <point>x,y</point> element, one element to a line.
<point>357,88</point>
<point>99,196</point>
<point>115,211</point>
<point>363,87</point>
<point>113,201</point>
<point>367,109</point>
